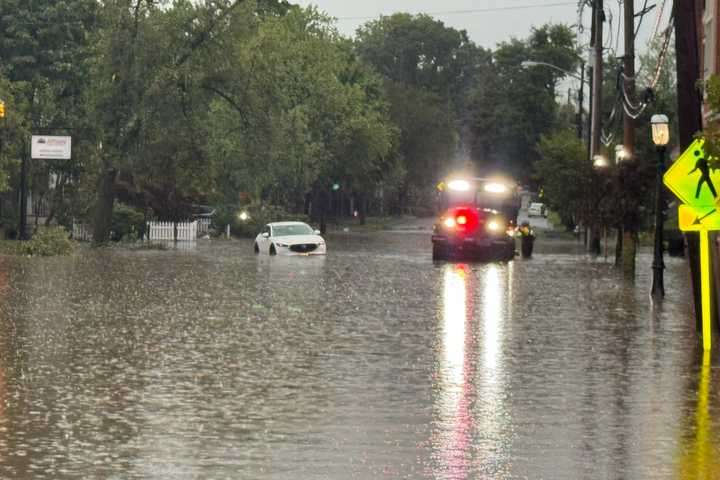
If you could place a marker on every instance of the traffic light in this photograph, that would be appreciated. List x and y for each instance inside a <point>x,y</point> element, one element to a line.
<point>2,109</point>
<point>336,187</point>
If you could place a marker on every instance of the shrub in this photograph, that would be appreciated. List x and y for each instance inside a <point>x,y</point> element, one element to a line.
<point>259,214</point>
<point>48,242</point>
<point>127,222</point>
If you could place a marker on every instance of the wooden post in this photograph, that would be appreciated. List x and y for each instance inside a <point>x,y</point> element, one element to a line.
<point>689,115</point>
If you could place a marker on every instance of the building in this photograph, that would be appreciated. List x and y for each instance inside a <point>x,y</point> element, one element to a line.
<point>708,22</point>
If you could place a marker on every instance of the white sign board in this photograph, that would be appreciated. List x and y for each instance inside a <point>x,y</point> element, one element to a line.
<point>48,147</point>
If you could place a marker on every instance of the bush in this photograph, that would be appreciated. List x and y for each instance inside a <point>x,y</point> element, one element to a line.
<point>259,214</point>
<point>127,223</point>
<point>48,242</point>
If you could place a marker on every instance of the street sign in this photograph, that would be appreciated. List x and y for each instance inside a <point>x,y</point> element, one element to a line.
<point>692,179</point>
<point>44,147</point>
<point>696,183</point>
<point>696,219</point>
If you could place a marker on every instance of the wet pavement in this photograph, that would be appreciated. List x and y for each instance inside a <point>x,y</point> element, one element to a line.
<point>374,362</point>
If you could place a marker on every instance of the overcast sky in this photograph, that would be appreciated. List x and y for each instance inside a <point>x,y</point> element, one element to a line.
<point>487,22</point>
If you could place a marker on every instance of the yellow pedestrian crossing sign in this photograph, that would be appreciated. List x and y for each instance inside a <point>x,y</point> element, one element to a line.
<point>696,183</point>
<point>692,179</point>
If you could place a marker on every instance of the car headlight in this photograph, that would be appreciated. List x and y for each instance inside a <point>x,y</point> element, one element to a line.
<point>449,222</point>
<point>278,244</point>
<point>321,243</point>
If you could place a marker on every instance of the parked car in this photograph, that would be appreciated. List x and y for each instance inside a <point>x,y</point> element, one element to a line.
<point>537,210</point>
<point>289,238</point>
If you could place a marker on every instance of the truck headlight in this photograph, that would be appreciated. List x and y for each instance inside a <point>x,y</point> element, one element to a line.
<point>495,188</point>
<point>494,226</point>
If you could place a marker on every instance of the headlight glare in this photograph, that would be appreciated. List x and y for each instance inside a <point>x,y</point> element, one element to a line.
<point>494,226</point>
<point>495,188</point>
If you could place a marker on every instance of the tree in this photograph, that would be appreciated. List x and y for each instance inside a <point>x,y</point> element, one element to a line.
<point>566,176</point>
<point>294,112</point>
<point>428,70</point>
<point>146,102</point>
<point>513,107</point>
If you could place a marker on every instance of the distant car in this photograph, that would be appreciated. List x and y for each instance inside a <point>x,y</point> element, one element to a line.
<point>289,238</point>
<point>537,210</point>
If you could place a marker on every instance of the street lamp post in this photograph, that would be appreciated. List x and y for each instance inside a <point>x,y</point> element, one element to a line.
<point>661,137</point>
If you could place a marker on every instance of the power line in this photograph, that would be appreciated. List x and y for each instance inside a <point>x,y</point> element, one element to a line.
<point>476,10</point>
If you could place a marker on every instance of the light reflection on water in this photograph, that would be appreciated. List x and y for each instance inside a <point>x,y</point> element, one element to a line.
<point>471,391</point>
<point>700,458</point>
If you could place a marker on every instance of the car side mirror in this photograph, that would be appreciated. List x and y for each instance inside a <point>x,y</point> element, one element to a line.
<point>317,232</point>
<point>265,235</point>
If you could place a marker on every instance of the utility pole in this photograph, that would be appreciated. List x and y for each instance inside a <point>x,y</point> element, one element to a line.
<point>628,84</point>
<point>580,102</point>
<point>689,114</point>
<point>596,125</point>
<point>22,227</point>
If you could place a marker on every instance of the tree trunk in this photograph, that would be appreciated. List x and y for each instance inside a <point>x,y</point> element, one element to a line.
<point>104,208</point>
<point>629,248</point>
<point>619,247</point>
<point>362,207</point>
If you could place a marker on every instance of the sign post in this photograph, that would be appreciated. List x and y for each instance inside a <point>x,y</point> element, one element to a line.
<point>42,147</point>
<point>696,184</point>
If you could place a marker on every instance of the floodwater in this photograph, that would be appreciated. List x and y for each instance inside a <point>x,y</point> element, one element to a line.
<point>374,362</point>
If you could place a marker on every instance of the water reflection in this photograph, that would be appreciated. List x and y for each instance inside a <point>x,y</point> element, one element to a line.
<point>471,434</point>
<point>701,449</point>
<point>455,372</point>
<point>491,412</point>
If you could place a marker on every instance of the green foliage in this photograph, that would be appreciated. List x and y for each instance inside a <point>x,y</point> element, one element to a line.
<point>294,109</point>
<point>259,215</point>
<point>428,70</point>
<point>47,242</point>
<point>128,223</point>
<point>711,134</point>
<point>513,107</point>
<point>174,104</point>
<point>565,175</point>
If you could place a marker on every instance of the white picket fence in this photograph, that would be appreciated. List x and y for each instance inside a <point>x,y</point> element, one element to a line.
<point>204,225</point>
<point>81,232</point>
<point>186,231</point>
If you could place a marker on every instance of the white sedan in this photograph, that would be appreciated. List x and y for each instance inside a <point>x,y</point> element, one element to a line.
<point>289,238</point>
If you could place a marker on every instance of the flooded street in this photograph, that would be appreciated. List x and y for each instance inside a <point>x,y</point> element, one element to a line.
<point>374,362</point>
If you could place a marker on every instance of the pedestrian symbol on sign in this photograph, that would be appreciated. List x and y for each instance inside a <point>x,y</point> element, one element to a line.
<point>702,165</point>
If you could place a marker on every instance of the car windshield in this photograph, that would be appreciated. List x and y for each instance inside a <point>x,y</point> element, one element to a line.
<point>288,230</point>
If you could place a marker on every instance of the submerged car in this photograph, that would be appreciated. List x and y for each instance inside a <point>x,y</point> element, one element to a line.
<point>289,238</point>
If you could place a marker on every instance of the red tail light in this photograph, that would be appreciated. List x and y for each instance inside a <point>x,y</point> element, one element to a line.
<point>465,220</point>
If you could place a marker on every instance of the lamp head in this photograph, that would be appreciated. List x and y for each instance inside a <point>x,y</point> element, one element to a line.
<point>660,130</point>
